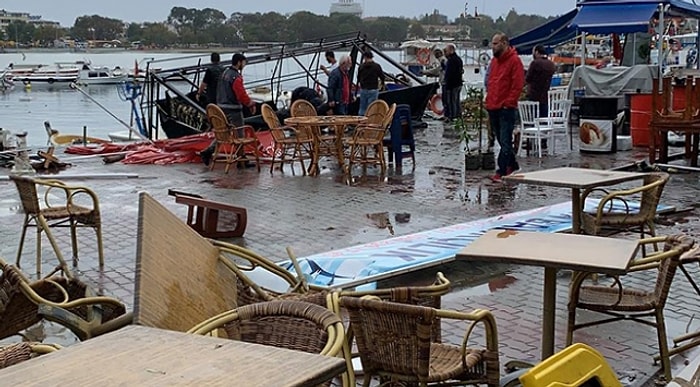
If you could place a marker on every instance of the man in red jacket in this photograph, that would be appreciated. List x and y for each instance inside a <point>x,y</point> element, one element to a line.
<point>506,80</point>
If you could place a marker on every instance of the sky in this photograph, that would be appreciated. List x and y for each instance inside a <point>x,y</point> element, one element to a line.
<point>66,11</point>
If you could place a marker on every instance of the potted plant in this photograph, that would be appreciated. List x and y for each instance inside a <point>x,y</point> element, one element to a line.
<point>470,127</point>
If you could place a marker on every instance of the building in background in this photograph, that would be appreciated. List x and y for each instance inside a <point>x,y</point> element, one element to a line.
<point>7,17</point>
<point>347,7</point>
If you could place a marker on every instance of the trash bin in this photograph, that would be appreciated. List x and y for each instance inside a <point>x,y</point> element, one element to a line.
<point>597,129</point>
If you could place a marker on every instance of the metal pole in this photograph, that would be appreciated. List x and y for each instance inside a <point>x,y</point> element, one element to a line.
<point>660,44</point>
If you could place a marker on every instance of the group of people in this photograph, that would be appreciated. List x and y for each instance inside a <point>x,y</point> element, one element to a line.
<point>370,79</point>
<point>504,84</point>
<point>449,72</point>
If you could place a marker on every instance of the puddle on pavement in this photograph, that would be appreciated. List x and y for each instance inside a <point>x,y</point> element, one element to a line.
<point>491,286</point>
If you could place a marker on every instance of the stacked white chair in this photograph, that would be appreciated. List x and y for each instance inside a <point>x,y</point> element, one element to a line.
<point>532,127</point>
<point>558,117</point>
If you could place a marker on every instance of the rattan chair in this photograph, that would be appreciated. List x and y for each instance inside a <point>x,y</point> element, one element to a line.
<point>291,144</point>
<point>290,324</point>
<point>376,113</point>
<point>367,143</point>
<point>16,353</point>
<point>69,213</point>
<point>68,302</point>
<point>604,217</point>
<point>624,303</point>
<point>229,141</point>
<point>258,279</point>
<point>302,108</point>
<point>394,343</point>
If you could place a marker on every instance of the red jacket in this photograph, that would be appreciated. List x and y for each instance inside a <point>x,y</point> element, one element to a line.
<point>506,81</point>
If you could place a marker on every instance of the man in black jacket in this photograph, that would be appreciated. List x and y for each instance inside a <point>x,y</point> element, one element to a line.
<point>453,83</point>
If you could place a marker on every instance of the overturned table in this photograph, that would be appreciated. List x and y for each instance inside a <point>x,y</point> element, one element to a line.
<point>144,356</point>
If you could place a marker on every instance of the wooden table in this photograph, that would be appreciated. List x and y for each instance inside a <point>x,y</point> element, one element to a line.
<point>553,251</point>
<point>575,178</point>
<point>338,123</point>
<point>142,356</point>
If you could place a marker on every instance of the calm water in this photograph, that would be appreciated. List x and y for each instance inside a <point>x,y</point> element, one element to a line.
<point>69,110</point>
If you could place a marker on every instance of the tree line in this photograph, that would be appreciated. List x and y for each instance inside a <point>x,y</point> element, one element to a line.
<point>192,26</point>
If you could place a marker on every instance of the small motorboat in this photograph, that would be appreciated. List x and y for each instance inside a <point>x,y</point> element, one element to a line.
<point>57,139</point>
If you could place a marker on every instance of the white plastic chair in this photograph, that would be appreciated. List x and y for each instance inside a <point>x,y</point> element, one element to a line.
<point>531,126</point>
<point>558,117</point>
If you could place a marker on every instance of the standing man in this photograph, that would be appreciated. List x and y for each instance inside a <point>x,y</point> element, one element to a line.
<point>538,79</point>
<point>370,76</point>
<point>210,82</point>
<point>332,63</point>
<point>231,97</point>
<point>340,87</point>
<point>506,81</point>
<point>439,71</point>
<point>453,83</point>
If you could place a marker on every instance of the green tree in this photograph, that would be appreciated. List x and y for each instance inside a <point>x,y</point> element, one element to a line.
<point>19,31</point>
<point>416,31</point>
<point>158,34</point>
<point>386,29</point>
<point>96,27</point>
<point>134,32</point>
<point>305,25</point>
<point>46,35</point>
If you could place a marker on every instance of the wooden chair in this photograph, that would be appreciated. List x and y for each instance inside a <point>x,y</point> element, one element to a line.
<point>16,353</point>
<point>376,113</point>
<point>394,343</point>
<point>295,325</point>
<point>367,142</point>
<point>71,212</point>
<point>302,108</point>
<point>577,365</point>
<point>604,217</point>
<point>292,144</point>
<point>68,302</point>
<point>212,219</point>
<point>229,141</point>
<point>624,303</point>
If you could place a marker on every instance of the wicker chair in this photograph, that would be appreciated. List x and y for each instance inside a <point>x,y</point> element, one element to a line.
<point>229,141</point>
<point>367,143</point>
<point>68,302</point>
<point>394,343</point>
<point>16,353</point>
<point>376,113</point>
<point>288,324</point>
<point>593,224</point>
<point>258,279</point>
<point>292,144</point>
<point>302,108</point>
<point>622,303</point>
<point>67,214</point>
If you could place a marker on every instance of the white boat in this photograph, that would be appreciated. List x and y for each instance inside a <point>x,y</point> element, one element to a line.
<point>100,75</point>
<point>35,75</point>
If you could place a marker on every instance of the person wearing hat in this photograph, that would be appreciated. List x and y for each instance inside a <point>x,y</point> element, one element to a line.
<point>370,77</point>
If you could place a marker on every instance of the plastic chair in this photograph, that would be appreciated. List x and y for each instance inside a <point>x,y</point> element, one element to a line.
<point>401,134</point>
<point>228,136</point>
<point>531,127</point>
<point>70,213</point>
<point>577,365</point>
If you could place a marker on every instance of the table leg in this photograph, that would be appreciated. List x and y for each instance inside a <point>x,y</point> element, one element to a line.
<point>549,300</point>
<point>575,211</point>
<point>339,132</point>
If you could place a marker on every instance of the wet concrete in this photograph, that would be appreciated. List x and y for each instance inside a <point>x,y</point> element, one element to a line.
<point>330,211</point>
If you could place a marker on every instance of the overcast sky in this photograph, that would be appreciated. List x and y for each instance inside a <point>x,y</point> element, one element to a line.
<point>66,11</point>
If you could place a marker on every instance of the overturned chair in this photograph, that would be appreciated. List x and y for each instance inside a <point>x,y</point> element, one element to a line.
<point>208,217</point>
<point>66,301</point>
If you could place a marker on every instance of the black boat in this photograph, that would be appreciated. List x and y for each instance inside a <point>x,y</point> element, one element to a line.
<point>169,103</point>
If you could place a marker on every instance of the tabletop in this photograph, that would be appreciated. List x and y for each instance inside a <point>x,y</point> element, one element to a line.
<point>561,251</point>
<point>137,355</point>
<point>580,178</point>
<point>325,120</point>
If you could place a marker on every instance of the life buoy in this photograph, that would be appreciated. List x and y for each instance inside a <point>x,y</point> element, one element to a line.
<point>436,105</point>
<point>423,56</point>
<point>484,59</point>
<point>26,82</point>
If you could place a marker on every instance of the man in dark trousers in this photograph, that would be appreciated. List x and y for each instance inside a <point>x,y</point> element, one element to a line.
<point>210,82</point>
<point>340,87</point>
<point>506,81</point>
<point>231,97</point>
<point>454,68</point>
<point>370,76</point>
<point>538,79</point>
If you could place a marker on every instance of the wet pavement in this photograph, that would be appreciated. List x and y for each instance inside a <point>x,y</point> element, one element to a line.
<point>327,212</point>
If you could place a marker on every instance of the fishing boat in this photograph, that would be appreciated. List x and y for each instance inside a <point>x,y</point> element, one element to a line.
<point>168,105</point>
<point>52,75</point>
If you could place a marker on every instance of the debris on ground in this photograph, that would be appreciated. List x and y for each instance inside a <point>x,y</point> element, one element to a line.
<point>381,220</point>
